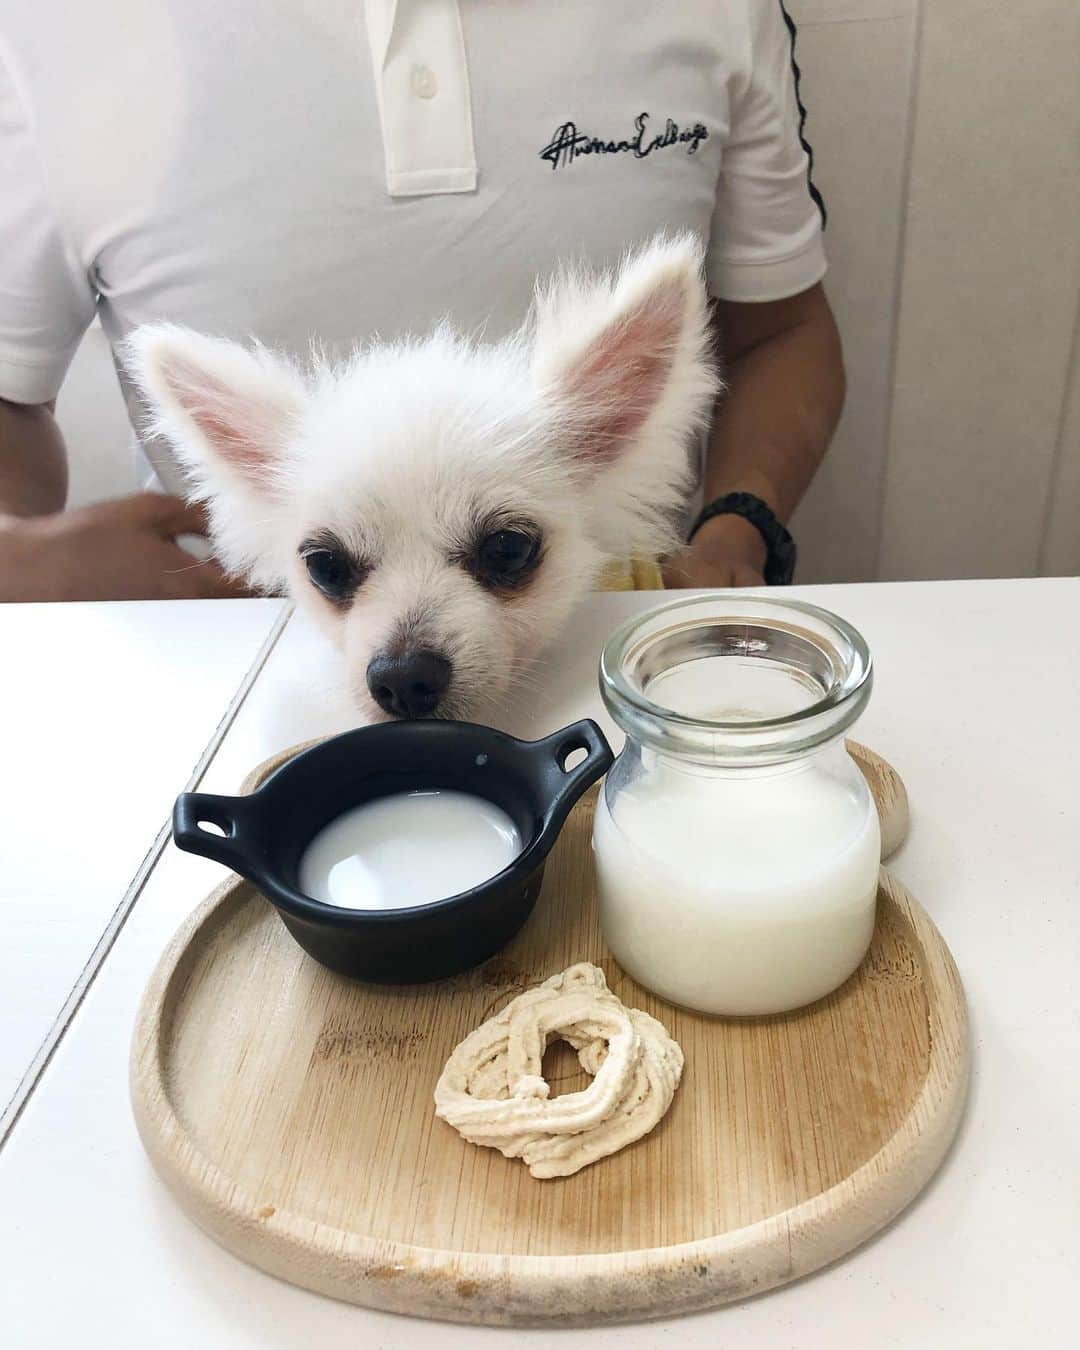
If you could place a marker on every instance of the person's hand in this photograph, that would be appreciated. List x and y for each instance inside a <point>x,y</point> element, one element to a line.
<point>117,550</point>
<point>726,551</point>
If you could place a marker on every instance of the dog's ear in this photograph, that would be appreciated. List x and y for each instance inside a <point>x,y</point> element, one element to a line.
<point>621,352</point>
<point>228,410</point>
<point>626,364</point>
<point>230,413</point>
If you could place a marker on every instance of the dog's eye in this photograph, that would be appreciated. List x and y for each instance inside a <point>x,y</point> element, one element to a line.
<point>331,572</point>
<point>506,557</point>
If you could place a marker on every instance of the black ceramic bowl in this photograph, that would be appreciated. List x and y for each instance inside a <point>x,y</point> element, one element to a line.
<point>266,833</point>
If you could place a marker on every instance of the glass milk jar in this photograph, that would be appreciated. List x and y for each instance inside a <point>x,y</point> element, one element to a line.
<point>737,845</point>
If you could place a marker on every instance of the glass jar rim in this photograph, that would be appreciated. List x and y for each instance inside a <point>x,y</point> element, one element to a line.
<point>842,649</point>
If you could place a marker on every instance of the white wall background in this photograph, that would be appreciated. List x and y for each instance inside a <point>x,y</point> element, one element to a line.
<point>947,142</point>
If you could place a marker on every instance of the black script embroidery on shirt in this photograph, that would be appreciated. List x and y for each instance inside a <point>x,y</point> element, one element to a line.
<point>568,143</point>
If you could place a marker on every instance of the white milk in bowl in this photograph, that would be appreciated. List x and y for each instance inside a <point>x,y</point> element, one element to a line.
<point>737,846</point>
<point>411,848</point>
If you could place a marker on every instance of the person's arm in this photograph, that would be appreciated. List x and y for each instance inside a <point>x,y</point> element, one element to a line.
<point>33,460</point>
<point>123,550</point>
<point>118,550</point>
<point>784,372</point>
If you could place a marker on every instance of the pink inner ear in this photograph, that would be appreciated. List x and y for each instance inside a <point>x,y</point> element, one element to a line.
<point>622,374</point>
<point>238,426</point>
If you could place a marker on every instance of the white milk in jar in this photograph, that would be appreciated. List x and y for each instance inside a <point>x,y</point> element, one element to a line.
<point>411,848</point>
<point>737,846</point>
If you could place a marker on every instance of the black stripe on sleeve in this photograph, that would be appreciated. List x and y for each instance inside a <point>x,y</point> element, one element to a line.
<point>815,195</point>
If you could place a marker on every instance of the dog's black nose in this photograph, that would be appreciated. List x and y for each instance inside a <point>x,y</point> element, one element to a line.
<point>408,684</point>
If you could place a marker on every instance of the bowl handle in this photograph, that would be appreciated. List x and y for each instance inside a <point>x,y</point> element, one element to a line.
<point>565,785</point>
<point>232,815</point>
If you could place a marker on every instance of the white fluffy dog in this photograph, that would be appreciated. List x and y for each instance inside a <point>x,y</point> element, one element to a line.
<point>441,505</point>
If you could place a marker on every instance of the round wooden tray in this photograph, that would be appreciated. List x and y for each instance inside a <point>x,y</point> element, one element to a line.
<point>291,1113</point>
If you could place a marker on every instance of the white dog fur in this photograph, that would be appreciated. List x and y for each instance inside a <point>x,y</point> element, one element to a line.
<point>581,425</point>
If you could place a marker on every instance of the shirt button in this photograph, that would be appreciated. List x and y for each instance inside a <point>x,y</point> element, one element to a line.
<point>424,83</point>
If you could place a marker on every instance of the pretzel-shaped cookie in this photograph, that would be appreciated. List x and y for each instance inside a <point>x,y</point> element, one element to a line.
<point>493,1093</point>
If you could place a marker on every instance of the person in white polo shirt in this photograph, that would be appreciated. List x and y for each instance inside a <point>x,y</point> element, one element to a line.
<point>287,169</point>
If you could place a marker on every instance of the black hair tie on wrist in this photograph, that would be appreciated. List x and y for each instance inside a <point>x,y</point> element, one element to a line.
<point>781,550</point>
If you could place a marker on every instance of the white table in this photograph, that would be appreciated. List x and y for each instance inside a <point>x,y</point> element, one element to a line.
<point>977,705</point>
<point>107,712</point>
